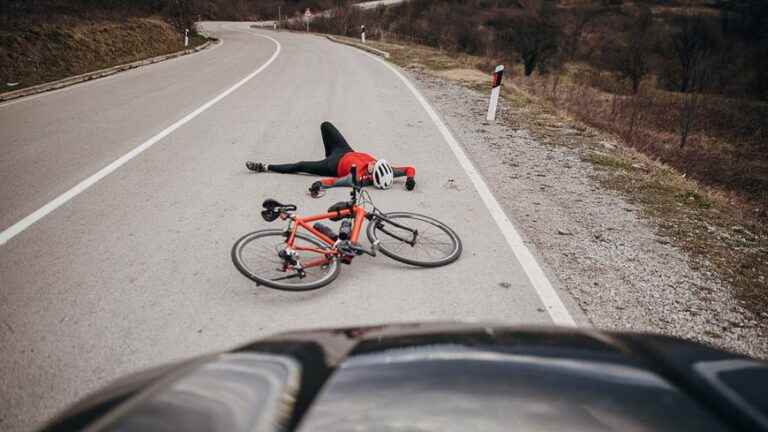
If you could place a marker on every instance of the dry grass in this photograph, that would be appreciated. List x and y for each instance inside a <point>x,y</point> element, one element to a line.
<point>433,59</point>
<point>726,151</point>
<point>699,221</point>
<point>720,227</point>
<point>467,76</point>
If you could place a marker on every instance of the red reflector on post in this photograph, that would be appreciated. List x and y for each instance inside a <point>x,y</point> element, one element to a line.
<point>496,78</point>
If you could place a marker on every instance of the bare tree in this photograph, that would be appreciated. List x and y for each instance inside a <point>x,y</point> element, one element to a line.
<point>180,14</point>
<point>630,60</point>
<point>534,34</point>
<point>692,99</point>
<point>692,43</point>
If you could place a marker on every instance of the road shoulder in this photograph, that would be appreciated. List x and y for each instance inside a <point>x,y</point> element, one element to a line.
<point>605,253</point>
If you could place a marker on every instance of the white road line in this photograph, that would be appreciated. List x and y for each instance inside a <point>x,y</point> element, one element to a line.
<point>40,213</point>
<point>98,80</point>
<point>547,294</point>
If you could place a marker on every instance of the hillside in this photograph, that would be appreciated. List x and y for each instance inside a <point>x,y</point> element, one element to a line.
<point>46,40</point>
<point>47,52</point>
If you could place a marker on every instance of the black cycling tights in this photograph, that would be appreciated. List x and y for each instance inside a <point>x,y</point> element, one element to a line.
<point>335,147</point>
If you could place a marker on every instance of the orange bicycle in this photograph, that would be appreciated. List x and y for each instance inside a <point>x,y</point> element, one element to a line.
<point>288,259</point>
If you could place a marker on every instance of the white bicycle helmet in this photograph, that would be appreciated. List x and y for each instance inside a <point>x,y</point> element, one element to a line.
<point>383,176</point>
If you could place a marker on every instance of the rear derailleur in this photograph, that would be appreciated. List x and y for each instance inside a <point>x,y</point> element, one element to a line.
<point>291,261</point>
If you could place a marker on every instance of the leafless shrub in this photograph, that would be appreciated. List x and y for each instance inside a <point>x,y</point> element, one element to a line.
<point>692,45</point>
<point>534,35</point>
<point>630,59</point>
<point>690,104</point>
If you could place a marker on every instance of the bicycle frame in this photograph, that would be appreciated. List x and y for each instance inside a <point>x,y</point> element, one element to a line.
<point>358,214</point>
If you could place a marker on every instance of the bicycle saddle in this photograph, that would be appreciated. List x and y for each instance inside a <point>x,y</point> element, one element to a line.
<point>273,208</point>
<point>271,204</point>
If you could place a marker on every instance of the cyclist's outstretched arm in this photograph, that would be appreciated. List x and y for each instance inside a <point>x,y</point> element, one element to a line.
<point>345,181</point>
<point>409,173</point>
<point>366,180</point>
<point>405,171</point>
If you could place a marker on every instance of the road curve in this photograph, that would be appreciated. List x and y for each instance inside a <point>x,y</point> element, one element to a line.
<point>135,270</point>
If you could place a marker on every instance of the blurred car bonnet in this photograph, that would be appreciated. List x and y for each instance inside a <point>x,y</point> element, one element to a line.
<point>440,377</point>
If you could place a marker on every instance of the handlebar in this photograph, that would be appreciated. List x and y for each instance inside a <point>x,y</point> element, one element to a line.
<point>316,191</point>
<point>353,172</point>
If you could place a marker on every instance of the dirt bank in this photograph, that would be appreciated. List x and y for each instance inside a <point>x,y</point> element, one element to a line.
<point>46,50</point>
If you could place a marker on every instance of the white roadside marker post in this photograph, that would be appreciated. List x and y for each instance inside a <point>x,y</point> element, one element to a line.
<point>362,33</point>
<point>186,38</point>
<point>495,89</point>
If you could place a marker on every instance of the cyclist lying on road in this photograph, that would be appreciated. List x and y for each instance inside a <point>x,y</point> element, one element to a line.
<point>339,158</point>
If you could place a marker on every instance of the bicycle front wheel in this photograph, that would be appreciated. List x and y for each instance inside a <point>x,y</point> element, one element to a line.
<point>415,239</point>
<point>256,256</point>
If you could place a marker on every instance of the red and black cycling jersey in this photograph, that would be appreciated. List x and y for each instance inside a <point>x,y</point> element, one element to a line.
<point>338,162</point>
<point>364,163</point>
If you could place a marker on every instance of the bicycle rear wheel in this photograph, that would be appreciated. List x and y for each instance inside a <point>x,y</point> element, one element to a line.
<point>415,239</point>
<point>256,256</point>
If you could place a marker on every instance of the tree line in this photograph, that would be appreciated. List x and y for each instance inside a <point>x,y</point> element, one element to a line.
<point>717,48</point>
<point>181,13</point>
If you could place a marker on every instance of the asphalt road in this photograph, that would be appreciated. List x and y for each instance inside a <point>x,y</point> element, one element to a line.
<point>135,270</point>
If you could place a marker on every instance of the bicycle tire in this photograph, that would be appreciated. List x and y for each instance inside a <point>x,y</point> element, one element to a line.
<point>375,226</point>
<point>240,262</point>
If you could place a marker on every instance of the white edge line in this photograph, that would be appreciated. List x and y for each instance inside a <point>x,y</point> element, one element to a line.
<point>99,79</point>
<point>62,199</point>
<point>549,297</point>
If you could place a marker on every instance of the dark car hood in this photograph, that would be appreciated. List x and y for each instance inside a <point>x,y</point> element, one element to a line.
<point>441,377</point>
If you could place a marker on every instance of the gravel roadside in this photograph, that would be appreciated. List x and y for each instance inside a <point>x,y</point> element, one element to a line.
<point>605,254</point>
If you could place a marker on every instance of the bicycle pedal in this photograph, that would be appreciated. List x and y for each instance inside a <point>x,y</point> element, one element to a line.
<point>347,259</point>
